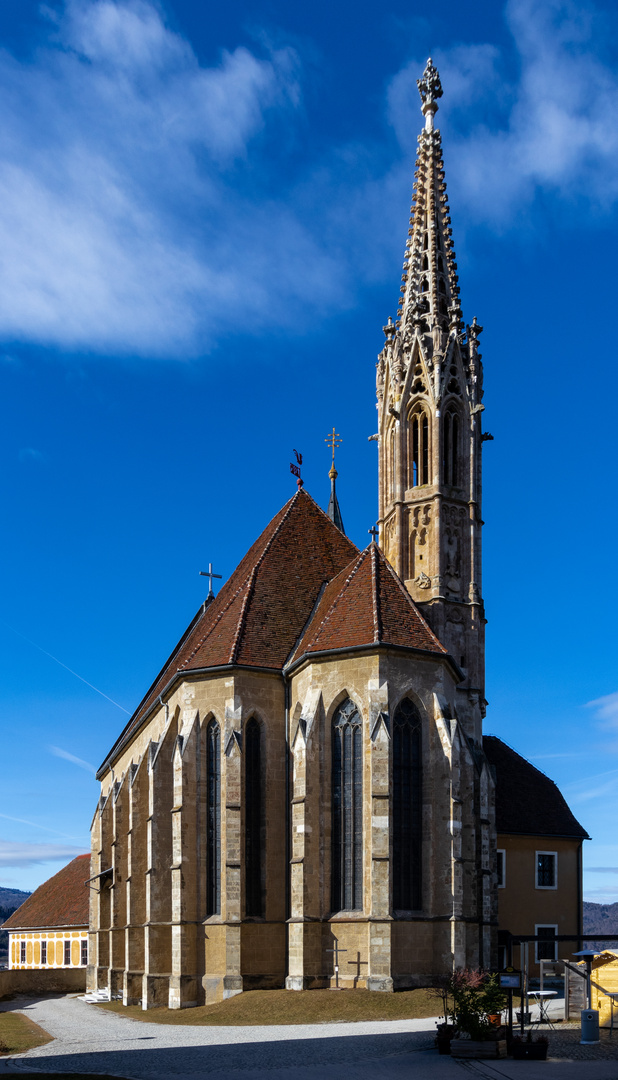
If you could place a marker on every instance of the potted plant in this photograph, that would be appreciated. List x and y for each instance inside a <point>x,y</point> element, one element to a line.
<point>527,1049</point>
<point>444,1030</point>
<point>476,997</point>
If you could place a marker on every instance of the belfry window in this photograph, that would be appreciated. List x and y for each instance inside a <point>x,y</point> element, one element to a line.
<point>213,819</point>
<point>254,855</point>
<point>347,787</point>
<point>424,285</point>
<point>407,808</point>
<point>450,456</point>
<point>420,449</point>
<point>425,263</point>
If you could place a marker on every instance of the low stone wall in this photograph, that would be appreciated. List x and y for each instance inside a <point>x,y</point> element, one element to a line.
<point>45,981</point>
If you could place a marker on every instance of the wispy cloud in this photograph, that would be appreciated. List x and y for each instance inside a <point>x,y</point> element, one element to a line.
<point>602,869</point>
<point>120,156</point>
<point>71,757</point>
<point>35,825</point>
<point>22,854</point>
<point>28,453</point>
<point>597,786</point>
<point>549,129</point>
<point>606,709</point>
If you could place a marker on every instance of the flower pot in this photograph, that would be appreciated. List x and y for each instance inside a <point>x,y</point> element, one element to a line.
<point>529,1051</point>
<point>471,1048</point>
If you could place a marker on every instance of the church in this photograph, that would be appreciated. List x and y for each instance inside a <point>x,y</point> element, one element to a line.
<point>302,798</point>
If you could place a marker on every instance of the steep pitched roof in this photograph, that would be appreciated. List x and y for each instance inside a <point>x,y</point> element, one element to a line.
<point>366,604</point>
<point>527,801</point>
<point>61,901</point>
<point>261,610</point>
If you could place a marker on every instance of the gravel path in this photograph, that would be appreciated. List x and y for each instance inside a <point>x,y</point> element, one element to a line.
<point>92,1040</point>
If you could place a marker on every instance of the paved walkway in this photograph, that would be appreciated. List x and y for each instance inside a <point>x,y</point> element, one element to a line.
<point>92,1040</point>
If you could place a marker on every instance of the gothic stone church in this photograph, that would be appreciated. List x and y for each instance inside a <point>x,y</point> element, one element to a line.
<point>307,769</point>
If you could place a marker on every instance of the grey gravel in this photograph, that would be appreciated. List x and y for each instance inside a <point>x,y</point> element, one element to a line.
<point>92,1040</point>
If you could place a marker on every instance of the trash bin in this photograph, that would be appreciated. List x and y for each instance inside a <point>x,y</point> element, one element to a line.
<point>590,1027</point>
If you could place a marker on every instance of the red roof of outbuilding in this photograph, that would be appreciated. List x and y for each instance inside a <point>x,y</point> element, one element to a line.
<point>61,901</point>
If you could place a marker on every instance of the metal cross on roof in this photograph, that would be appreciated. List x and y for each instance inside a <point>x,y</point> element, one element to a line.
<point>374,533</point>
<point>334,440</point>
<point>210,575</point>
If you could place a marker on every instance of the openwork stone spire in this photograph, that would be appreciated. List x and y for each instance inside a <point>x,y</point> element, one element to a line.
<point>429,389</point>
<point>430,290</point>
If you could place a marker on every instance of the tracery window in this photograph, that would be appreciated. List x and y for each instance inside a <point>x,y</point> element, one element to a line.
<point>347,794</point>
<point>407,808</point>
<point>213,819</point>
<point>254,848</point>
<point>419,455</point>
<point>450,448</point>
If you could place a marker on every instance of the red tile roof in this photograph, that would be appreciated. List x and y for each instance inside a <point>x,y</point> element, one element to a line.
<point>61,901</point>
<point>367,604</point>
<point>528,803</point>
<point>259,613</point>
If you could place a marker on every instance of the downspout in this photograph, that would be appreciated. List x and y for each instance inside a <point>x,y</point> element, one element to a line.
<point>286,688</point>
<point>580,906</point>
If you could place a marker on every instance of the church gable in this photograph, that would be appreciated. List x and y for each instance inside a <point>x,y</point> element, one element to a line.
<point>366,604</point>
<point>261,610</point>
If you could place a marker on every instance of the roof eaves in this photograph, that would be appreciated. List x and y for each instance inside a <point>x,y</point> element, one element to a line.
<point>309,657</point>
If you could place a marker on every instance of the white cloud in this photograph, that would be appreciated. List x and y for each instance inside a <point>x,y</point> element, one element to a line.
<point>120,155</point>
<point>606,709</point>
<point>57,752</point>
<point>552,128</point>
<point>22,854</point>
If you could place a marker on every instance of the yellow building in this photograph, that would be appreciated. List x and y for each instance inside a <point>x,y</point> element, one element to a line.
<point>604,984</point>
<point>539,858</point>
<point>50,929</point>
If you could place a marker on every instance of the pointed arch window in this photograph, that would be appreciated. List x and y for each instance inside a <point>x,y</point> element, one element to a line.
<point>450,454</point>
<point>407,808</point>
<point>424,285</point>
<point>347,793</point>
<point>213,819</point>
<point>425,263</point>
<point>254,832</point>
<point>420,449</point>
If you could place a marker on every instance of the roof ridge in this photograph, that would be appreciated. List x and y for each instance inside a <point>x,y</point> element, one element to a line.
<point>375,589</point>
<point>410,601</point>
<point>341,591</point>
<point>253,576</point>
<point>245,582</point>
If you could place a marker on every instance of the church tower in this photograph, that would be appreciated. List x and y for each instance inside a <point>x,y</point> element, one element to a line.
<point>429,390</point>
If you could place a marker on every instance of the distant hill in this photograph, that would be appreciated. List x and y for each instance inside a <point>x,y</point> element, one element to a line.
<point>10,900</point>
<point>601,919</point>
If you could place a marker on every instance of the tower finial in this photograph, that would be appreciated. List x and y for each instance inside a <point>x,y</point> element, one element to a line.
<point>334,440</point>
<point>430,89</point>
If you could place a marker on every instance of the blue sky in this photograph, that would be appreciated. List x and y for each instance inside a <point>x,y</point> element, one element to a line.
<point>203,210</point>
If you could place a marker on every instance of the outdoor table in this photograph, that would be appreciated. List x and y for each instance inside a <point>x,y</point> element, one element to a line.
<point>543,998</point>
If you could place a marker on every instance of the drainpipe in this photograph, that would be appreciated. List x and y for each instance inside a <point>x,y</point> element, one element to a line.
<point>286,688</point>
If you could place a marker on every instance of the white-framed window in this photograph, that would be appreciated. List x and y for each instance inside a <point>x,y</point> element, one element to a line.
<point>43,952</point>
<point>67,954</point>
<point>547,947</point>
<point>546,870</point>
<point>22,952</point>
<point>84,951</point>
<point>501,867</point>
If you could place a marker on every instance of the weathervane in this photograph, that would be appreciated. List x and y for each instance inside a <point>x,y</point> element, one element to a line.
<point>295,469</point>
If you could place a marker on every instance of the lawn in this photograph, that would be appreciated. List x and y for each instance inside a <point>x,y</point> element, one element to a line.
<point>18,1033</point>
<point>293,1007</point>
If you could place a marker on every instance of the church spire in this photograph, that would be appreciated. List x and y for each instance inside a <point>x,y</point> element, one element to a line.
<point>430,289</point>
<point>429,389</point>
<point>334,440</point>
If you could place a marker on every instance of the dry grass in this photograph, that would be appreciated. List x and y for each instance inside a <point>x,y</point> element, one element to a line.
<point>293,1007</point>
<point>18,1033</point>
